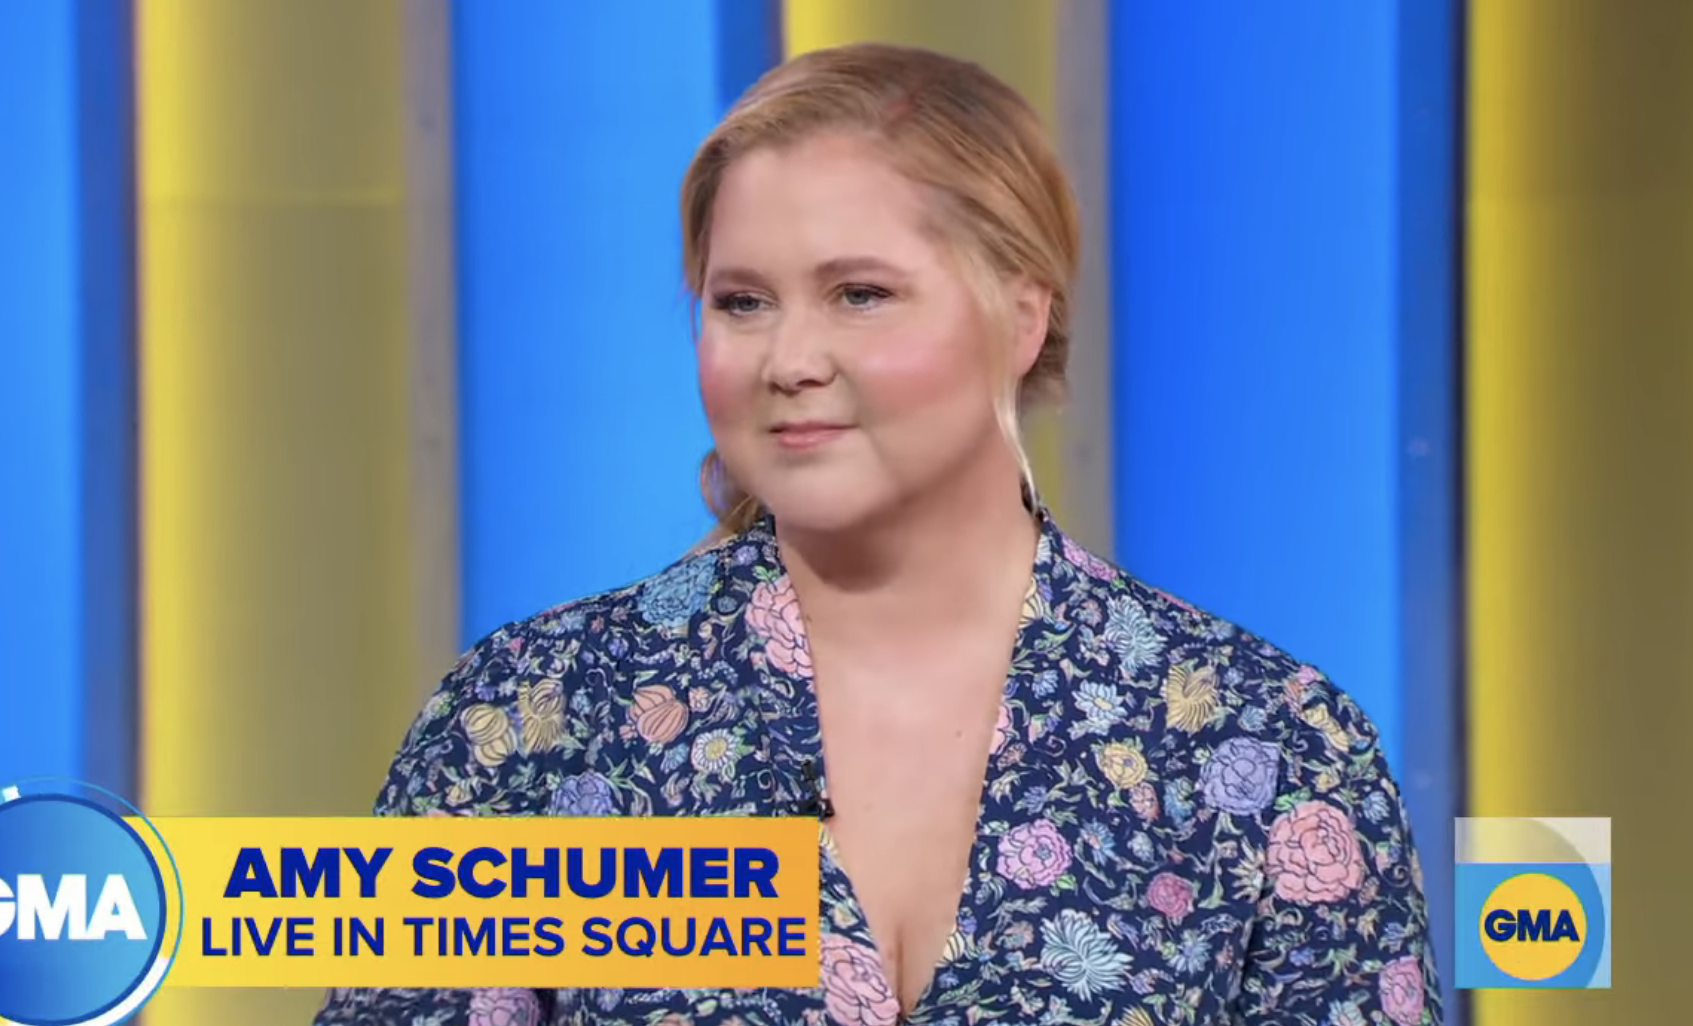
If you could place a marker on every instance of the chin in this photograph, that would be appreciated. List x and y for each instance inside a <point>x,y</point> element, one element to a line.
<point>820,510</point>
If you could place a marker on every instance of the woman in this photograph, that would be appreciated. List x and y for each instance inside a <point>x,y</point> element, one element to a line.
<point>1156,817</point>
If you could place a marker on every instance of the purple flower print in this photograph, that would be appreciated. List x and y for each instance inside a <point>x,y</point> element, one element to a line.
<point>587,794</point>
<point>1241,776</point>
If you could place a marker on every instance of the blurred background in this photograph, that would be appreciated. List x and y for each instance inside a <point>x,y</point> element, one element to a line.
<point>336,333</point>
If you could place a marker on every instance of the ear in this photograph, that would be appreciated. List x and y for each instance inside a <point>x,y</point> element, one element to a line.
<point>1031,309</point>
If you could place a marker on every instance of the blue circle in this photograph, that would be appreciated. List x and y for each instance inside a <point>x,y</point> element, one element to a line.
<point>1579,877</point>
<point>62,982</point>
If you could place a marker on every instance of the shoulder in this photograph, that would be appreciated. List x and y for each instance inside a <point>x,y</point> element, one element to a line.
<point>1218,692</point>
<point>548,695</point>
<point>585,641</point>
<point>1260,762</point>
<point>1244,739</point>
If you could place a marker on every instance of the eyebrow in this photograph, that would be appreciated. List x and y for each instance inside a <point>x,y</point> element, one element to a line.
<point>838,267</point>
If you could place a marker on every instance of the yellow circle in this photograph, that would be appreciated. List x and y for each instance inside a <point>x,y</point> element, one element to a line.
<point>1533,926</point>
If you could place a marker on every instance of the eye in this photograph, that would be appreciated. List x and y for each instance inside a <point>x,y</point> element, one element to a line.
<point>738,304</point>
<point>863,297</point>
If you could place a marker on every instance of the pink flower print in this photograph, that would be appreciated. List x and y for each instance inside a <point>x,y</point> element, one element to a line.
<point>855,989</point>
<point>774,616</point>
<point>1033,855</point>
<point>504,1006</point>
<point>1296,686</point>
<point>1314,855</point>
<point>1179,603</point>
<point>1143,798</point>
<point>1170,895</point>
<point>1401,987</point>
<point>1087,561</point>
<point>1002,728</point>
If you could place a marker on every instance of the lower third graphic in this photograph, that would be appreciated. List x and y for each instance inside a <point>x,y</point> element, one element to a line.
<point>1534,903</point>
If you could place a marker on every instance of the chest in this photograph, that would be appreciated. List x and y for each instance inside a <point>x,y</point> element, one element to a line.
<point>1080,888</point>
<point>906,781</point>
<point>1067,904</point>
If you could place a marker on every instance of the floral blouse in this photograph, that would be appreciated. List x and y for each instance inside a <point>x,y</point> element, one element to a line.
<point>1180,823</point>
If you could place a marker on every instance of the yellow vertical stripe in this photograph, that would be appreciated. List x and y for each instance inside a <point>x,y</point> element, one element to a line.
<point>1580,484</point>
<point>283,647</point>
<point>1016,40</point>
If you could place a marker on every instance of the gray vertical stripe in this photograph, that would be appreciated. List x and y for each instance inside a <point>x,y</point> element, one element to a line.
<point>1082,128</point>
<point>434,353</point>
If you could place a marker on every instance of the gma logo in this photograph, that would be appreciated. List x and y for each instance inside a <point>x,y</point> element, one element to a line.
<point>65,914</point>
<point>1533,926</point>
<point>1503,924</point>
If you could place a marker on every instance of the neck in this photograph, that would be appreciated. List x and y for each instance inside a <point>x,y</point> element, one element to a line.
<point>947,557</point>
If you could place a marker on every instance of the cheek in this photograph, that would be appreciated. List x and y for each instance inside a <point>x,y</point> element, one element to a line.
<point>920,374</point>
<point>727,377</point>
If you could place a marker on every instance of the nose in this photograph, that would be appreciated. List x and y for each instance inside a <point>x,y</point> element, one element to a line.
<point>798,356</point>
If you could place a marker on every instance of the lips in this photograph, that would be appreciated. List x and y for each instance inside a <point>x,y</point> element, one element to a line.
<point>807,434</point>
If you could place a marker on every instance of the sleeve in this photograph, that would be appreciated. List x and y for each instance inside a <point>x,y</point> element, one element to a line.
<point>452,762</point>
<point>1342,934</point>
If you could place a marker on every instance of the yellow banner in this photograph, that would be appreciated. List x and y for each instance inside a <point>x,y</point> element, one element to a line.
<point>495,902</point>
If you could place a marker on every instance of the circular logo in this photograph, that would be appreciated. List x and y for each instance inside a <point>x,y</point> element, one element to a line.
<point>1533,926</point>
<point>84,913</point>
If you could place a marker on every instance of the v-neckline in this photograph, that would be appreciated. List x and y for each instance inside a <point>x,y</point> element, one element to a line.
<point>1048,549</point>
<point>855,906</point>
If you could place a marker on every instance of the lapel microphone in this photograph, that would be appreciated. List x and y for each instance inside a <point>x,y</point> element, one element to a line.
<point>816,802</point>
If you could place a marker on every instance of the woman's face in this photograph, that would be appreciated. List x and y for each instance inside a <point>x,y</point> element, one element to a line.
<point>845,365</point>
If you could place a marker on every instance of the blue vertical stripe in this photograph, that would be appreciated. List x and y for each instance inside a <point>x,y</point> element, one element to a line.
<point>749,43</point>
<point>67,432</point>
<point>1284,255</point>
<point>582,433</point>
<point>1430,435</point>
<point>40,448</point>
<point>1256,368</point>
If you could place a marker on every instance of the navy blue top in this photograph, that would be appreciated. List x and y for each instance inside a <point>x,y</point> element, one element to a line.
<point>1180,823</point>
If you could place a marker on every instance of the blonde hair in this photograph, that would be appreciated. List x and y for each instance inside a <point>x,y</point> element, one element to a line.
<point>1006,207</point>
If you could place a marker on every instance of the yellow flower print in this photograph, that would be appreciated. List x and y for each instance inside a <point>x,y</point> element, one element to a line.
<point>1319,717</point>
<point>1122,763</point>
<point>1034,607</point>
<point>462,792</point>
<point>542,706</point>
<point>489,730</point>
<point>483,723</point>
<point>1190,695</point>
<point>959,946</point>
<point>1137,1017</point>
<point>495,752</point>
<point>841,916</point>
